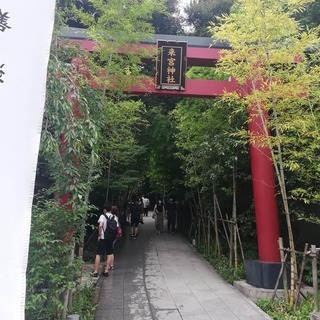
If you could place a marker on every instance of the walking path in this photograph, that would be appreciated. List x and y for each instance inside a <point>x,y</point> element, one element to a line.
<point>163,277</point>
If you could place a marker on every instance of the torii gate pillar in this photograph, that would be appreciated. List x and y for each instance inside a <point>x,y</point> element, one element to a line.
<point>264,272</point>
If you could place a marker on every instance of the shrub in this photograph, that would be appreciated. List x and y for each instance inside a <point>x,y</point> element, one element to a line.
<point>83,303</point>
<point>50,272</point>
<point>221,264</point>
<point>280,310</point>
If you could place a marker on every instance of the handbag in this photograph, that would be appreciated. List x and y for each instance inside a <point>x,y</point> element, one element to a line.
<point>119,232</point>
<point>154,215</point>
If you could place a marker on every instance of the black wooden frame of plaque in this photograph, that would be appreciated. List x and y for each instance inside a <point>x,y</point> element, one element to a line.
<point>171,65</point>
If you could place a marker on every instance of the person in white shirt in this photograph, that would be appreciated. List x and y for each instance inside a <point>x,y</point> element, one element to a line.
<point>104,246</point>
<point>146,204</point>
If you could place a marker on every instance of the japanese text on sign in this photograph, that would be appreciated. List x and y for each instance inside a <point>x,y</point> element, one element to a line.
<point>171,65</point>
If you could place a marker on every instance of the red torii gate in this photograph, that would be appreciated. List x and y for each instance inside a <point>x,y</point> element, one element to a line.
<point>202,52</point>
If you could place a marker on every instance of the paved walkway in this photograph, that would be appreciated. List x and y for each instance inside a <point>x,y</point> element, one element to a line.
<point>163,277</point>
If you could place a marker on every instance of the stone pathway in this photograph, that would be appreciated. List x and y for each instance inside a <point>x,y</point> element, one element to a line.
<point>163,277</point>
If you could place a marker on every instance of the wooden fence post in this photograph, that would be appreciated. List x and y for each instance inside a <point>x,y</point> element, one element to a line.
<point>315,277</point>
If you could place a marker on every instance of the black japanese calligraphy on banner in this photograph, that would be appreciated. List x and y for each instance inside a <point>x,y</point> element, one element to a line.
<point>1,73</point>
<point>171,65</point>
<point>3,27</point>
<point>4,21</point>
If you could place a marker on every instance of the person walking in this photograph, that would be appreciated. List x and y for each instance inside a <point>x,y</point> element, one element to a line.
<point>146,204</point>
<point>171,211</point>
<point>105,240</point>
<point>159,211</point>
<point>136,210</point>
<point>114,212</point>
<point>141,210</point>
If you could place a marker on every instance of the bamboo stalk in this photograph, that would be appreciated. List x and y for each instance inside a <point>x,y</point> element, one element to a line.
<point>240,243</point>
<point>231,247</point>
<point>202,227</point>
<point>215,213</point>
<point>278,279</point>
<point>224,227</point>
<point>209,233</point>
<point>199,231</point>
<point>283,262</point>
<point>303,263</point>
<point>234,216</point>
<point>192,219</point>
<point>227,221</point>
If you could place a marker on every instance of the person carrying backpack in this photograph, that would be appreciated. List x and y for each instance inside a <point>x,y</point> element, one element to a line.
<point>135,213</point>
<point>107,233</point>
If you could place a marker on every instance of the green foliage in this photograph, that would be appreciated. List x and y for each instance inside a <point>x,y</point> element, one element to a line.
<point>50,273</point>
<point>310,17</point>
<point>119,144</point>
<point>69,136</point>
<point>122,20</point>
<point>69,131</point>
<point>82,303</point>
<point>247,229</point>
<point>163,167</point>
<point>266,42</point>
<point>204,142</point>
<point>113,25</point>
<point>221,264</point>
<point>307,274</point>
<point>206,73</point>
<point>280,310</point>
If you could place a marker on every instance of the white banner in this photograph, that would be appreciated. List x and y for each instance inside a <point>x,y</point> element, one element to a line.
<point>25,38</point>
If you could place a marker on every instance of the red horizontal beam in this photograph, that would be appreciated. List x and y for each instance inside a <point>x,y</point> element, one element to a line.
<point>196,88</point>
<point>196,56</point>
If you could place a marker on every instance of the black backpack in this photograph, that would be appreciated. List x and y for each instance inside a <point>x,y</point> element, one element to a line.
<point>110,232</point>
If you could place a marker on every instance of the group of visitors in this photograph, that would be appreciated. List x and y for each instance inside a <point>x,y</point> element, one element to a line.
<point>139,209</point>
<point>169,212</point>
<point>109,229</point>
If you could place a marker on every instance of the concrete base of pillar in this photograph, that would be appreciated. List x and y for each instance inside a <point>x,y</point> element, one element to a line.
<point>263,274</point>
<point>254,293</point>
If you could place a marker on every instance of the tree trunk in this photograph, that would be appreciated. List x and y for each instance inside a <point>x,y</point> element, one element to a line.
<point>215,213</point>
<point>234,216</point>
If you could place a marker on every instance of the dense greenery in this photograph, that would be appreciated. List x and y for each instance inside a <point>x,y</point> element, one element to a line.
<point>83,303</point>
<point>50,272</point>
